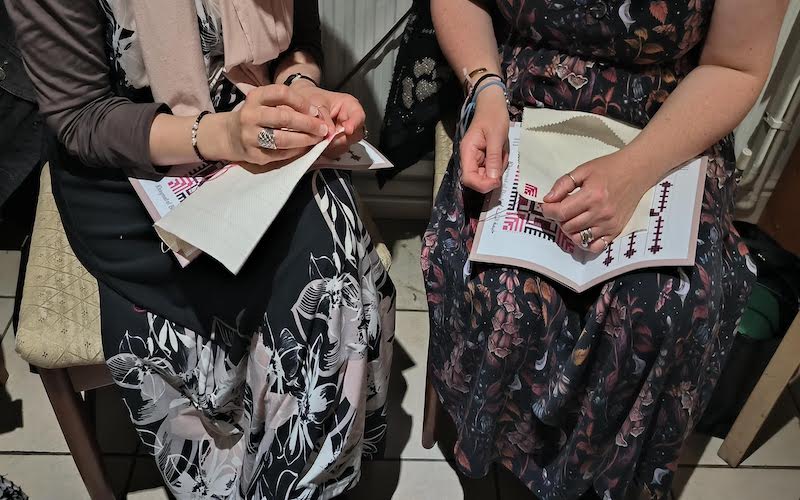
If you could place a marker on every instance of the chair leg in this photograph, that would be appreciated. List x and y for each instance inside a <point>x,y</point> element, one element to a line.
<point>430,417</point>
<point>770,386</point>
<point>71,414</point>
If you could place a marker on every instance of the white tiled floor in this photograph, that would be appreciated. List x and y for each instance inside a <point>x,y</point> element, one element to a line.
<point>35,455</point>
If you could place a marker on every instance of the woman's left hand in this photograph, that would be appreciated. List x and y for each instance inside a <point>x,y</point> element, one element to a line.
<point>610,189</point>
<point>344,111</point>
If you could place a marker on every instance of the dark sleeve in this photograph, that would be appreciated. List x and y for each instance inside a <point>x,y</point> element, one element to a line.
<point>62,44</point>
<point>306,33</point>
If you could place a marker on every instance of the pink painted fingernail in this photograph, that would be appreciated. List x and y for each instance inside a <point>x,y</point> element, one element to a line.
<point>314,111</point>
<point>323,130</point>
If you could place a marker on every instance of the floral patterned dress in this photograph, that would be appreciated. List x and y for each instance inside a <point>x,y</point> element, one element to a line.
<point>289,411</point>
<point>596,391</point>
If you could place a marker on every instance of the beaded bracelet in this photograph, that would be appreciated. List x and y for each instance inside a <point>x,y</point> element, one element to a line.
<point>195,128</point>
<point>288,82</point>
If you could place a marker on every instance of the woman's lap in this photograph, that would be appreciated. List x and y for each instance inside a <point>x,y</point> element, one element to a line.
<point>572,390</point>
<point>279,412</point>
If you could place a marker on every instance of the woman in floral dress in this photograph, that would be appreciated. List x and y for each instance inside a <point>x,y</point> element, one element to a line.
<point>593,393</point>
<point>270,384</point>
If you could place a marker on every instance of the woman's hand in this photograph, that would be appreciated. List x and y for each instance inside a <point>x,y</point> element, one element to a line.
<point>484,147</point>
<point>296,123</point>
<point>610,189</point>
<point>344,111</point>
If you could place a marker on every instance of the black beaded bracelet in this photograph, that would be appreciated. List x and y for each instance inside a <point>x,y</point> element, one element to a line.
<point>295,76</point>
<point>195,128</point>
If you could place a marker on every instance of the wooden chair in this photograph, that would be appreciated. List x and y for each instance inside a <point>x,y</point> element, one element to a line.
<point>59,334</point>
<point>782,371</point>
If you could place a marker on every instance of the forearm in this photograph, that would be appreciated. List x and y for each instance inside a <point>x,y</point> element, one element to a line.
<point>697,114</point>
<point>465,33</point>
<point>171,139</point>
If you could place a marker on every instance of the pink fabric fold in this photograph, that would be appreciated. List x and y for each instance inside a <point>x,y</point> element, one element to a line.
<point>254,32</point>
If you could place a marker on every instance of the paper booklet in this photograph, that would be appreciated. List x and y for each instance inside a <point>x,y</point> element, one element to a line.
<point>225,212</point>
<point>513,231</point>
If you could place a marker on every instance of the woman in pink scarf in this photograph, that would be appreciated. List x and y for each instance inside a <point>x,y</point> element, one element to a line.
<point>268,384</point>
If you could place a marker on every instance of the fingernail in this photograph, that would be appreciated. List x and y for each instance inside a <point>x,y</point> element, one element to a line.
<point>314,111</point>
<point>323,130</point>
<point>494,174</point>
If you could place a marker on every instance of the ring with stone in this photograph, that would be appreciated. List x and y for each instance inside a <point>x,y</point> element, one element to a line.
<point>266,139</point>
<point>586,237</point>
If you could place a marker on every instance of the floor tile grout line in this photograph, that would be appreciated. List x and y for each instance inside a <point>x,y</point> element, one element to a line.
<point>741,467</point>
<point>31,453</point>
<point>6,329</point>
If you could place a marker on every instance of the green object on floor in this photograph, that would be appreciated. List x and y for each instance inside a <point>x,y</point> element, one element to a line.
<point>761,317</point>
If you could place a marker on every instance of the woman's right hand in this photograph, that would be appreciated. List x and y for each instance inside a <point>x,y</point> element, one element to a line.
<point>296,123</point>
<point>484,147</point>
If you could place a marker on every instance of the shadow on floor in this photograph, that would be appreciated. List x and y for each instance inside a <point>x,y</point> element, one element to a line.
<point>10,410</point>
<point>780,416</point>
<point>393,231</point>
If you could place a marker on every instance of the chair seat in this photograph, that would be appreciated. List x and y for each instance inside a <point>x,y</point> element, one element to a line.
<point>59,319</point>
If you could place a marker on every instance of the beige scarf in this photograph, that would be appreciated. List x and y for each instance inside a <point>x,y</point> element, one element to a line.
<point>254,32</point>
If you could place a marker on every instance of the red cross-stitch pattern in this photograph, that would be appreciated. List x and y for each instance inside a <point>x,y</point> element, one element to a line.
<point>181,184</point>
<point>513,222</point>
<point>609,258</point>
<point>631,251</point>
<point>659,229</point>
<point>563,241</point>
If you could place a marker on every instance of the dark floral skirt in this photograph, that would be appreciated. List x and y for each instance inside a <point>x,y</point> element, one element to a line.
<point>578,391</point>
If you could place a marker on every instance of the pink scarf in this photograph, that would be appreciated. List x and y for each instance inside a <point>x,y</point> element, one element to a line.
<point>254,32</point>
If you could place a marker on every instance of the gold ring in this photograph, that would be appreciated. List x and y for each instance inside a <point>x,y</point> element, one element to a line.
<point>573,180</point>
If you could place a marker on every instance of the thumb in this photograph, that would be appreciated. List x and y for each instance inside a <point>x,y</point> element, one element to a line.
<point>563,186</point>
<point>494,156</point>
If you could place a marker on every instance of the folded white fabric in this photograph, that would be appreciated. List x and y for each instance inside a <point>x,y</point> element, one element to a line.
<point>553,143</point>
<point>231,212</point>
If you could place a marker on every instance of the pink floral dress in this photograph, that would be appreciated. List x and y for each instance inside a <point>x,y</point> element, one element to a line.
<point>592,392</point>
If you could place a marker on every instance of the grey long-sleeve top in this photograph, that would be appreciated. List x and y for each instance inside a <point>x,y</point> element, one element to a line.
<point>65,52</point>
<point>103,126</point>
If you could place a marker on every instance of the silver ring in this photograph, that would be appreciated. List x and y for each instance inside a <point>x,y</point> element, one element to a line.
<point>266,139</point>
<point>605,242</point>
<point>586,237</point>
<point>365,132</point>
<point>573,180</point>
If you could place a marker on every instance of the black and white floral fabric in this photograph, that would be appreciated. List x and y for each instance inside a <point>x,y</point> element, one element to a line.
<point>289,412</point>
<point>10,491</point>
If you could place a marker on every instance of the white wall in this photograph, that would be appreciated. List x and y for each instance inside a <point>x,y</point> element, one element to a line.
<point>771,148</point>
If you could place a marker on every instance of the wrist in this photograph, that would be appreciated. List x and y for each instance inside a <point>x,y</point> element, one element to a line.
<point>302,85</point>
<point>213,137</point>
<point>638,168</point>
<point>491,97</point>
